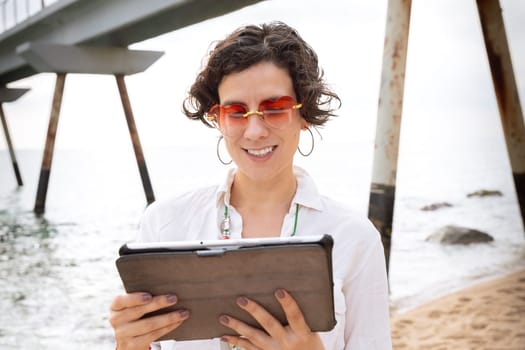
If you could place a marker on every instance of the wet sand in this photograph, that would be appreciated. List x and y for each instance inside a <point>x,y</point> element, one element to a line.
<point>489,315</point>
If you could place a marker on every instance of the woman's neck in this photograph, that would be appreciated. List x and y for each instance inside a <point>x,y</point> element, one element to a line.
<point>276,192</point>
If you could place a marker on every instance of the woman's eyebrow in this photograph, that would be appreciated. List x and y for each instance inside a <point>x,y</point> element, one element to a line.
<point>233,102</point>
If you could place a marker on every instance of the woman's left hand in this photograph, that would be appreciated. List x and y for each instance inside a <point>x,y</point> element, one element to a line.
<point>295,336</point>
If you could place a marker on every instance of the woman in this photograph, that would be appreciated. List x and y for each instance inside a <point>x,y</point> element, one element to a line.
<point>261,87</point>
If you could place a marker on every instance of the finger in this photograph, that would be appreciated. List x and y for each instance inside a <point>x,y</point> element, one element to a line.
<point>143,341</point>
<point>157,303</point>
<point>261,315</point>
<point>129,300</point>
<point>293,313</point>
<point>156,334</point>
<point>256,336</point>
<point>135,312</point>
<point>153,327</point>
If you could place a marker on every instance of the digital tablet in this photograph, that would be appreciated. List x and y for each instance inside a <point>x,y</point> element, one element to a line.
<point>208,276</point>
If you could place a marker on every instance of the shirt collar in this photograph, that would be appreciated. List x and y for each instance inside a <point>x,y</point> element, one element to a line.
<point>306,195</point>
<point>224,189</point>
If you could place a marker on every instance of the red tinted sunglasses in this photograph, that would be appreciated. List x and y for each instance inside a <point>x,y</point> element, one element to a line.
<point>234,117</point>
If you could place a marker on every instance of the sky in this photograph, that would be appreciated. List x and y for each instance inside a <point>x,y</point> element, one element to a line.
<point>447,79</point>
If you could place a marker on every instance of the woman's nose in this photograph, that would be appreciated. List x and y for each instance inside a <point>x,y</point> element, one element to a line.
<point>255,127</point>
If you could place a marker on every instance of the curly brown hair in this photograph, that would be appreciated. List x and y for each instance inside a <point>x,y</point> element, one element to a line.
<point>273,42</point>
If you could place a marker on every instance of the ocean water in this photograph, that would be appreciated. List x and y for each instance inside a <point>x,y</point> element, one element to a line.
<point>57,274</point>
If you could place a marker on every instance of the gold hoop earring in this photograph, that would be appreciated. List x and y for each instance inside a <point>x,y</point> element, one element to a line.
<point>311,148</point>
<point>218,153</point>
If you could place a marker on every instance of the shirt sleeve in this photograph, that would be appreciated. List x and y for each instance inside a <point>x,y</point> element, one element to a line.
<point>367,324</point>
<point>148,228</point>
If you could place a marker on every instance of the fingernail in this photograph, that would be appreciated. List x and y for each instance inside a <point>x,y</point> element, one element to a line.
<point>146,297</point>
<point>224,319</point>
<point>280,293</point>
<point>242,301</point>
<point>224,339</point>
<point>184,313</point>
<point>171,298</point>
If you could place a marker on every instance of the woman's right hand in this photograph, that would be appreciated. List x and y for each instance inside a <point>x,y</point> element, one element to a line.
<point>134,333</point>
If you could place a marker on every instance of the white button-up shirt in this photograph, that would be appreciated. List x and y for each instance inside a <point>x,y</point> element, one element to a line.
<point>360,283</point>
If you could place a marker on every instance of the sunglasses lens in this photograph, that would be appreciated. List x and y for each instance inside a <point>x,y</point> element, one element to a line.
<point>277,113</point>
<point>235,112</point>
<point>231,117</point>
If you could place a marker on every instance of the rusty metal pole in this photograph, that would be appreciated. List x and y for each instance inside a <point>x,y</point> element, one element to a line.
<point>506,91</point>
<point>10,146</point>
<point>141,162</point>
<point>45,170</point>
<point>383,186</point>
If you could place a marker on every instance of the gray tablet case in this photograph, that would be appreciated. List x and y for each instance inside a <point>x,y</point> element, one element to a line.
<point>207,282</point>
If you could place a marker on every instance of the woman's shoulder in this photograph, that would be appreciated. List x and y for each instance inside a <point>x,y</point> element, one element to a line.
<point>341,211</point>
<point>187,198</point>
<point>186,204</point>
<point>348,223</point>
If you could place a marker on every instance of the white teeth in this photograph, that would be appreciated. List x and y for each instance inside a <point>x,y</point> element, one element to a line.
<point>260,152</point>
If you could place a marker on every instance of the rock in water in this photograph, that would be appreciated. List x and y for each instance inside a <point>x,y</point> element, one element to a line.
<point>485,193</point>
<point>452,234</point>
<point>436,206</point>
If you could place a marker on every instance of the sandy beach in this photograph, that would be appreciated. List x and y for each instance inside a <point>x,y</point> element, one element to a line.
<point>489,315</point>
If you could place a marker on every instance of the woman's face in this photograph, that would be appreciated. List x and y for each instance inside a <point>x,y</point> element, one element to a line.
<point>261,152</point>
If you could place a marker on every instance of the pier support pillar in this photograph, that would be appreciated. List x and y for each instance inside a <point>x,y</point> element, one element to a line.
<point>47,159</point>
<point>383,186</point>
<point>139,155</point>
<point>9,95</point>
<point>506,91</point>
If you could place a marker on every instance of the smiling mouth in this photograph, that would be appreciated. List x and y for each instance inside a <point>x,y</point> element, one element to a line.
<point>261,152</point>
